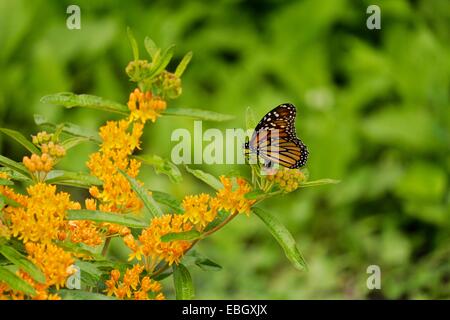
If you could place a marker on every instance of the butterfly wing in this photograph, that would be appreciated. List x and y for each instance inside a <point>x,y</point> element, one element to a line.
<point>275,139</point>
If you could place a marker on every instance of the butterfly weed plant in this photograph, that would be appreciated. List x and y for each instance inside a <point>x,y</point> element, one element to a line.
<point>46,237</point>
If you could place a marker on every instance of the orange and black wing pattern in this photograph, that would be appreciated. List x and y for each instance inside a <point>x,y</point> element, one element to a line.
<point>275,139</point>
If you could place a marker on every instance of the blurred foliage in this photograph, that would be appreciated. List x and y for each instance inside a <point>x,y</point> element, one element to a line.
<point>373,109</point>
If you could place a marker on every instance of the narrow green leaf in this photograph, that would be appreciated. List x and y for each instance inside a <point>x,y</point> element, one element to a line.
<point>168,200</point>
<point>152,208</point>
<point>208,265</point>
<point>283,236</point>
<point>163,275</point>
<point>5,182</point>
<point>67,294</point>
<point>162,166</point>
<point>22,262</point>
<point>318,183</point>
<point>70,100</point>
<point>202,261</point>
<point>254,194</point>
<point>184,287</point>
<point>13,165</point>
<point>99,216</point>
<point>80,248</point>
<point>90,274</point>
<point>16,135</point>
<point>14,175</point>
<point>151,47</point>
<point>73,179</point>
<point>68,128</point>
<point>89,268</point>
<point>162,63</point>
<point>207,178</point>
<point>134,45</point>
<point>183,64</point>
<point>73,142</point>
<point>8,201</point>
<point>186,235</point>
<point>199,114</point>
<point>16,283</point>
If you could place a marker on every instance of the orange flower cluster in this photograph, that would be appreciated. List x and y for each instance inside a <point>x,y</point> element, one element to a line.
<point>53,261</point>
<point>119,140</point>
<point>144,106</point>
<point>151,246</point>
<point>51,152</point>
<point>42,215</point>
<point>132,286</point>
<point>199,211</point>
<point>118,144</point>
<point>43,163</point>
<point>38,219</point>
<point>233,199</point>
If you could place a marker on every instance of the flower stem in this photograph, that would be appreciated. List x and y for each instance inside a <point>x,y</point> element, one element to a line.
<point>106,246</point>
<point>220,226</point>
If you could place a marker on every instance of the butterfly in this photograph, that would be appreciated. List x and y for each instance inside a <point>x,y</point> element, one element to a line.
<point>275,141</point>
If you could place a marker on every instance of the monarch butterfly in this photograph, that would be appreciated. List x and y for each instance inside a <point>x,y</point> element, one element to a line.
<point>275,140</point>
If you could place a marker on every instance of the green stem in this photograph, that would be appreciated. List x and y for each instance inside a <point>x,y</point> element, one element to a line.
<point>220,226</point>
<point>106,246</point>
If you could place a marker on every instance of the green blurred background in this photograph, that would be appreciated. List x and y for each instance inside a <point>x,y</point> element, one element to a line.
<point>373,108</point>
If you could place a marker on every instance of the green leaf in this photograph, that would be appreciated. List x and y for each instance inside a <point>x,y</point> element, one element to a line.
<point>283,236</point>
<point>73,179</point>
<point>202,262</point>
<point>186,235</point>
<point>134,45</point>
<point>207,178</point>
<point>67,294</point>
<point>254,194</point>
<point>16,135</point>
<point>184,287</point>
<point>162,166</point>
<point>14,175</point>
<point>13,165</point>
<point>16,283</point>
<point>8,201</point>
<point>6,182</point>
<point>198,114</point>
<point>152,208</point>
<point>161,64</point>
<point>70,100</point>
<point>99,216</point>
<point>73,142</point>
<point>22,262</point>
<point>208,265</point>
<point>250,119</point>
<point>183,64</point>
<point>80,248</point>
<point>90,274</point>
<point>318,183</point>
<point>151,47</point>
<point>162,276</point>
<point>89,268</point>
<point>168,200</point>
<point>68,128</point>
